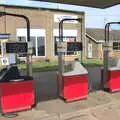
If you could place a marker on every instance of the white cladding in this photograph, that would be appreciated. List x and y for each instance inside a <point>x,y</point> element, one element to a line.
<point>66,32</point>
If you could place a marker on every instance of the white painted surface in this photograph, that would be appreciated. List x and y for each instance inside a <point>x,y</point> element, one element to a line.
<point>33,32</point>
<point>66,32</point>
<point>11,58</point>
<point>4,61</point>
<point>78,69</point>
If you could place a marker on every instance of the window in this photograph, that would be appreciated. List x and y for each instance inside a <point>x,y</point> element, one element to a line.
<point>41,46</point>
<point>33,40</point>
<point>21,39</point>
<point>66,39</point>
<point>37,37</point>
<point>38,44</point>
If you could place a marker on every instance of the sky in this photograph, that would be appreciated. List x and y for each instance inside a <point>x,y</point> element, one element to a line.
<point>94,17</point>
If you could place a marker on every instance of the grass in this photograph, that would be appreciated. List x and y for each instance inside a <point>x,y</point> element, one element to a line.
<point>94,62</point>
<point>41,66</point>
<point>47,66</point>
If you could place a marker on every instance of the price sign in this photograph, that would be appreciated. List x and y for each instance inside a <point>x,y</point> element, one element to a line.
<point>116,46</point>
<point>4,36</point>
<point>62,47</point>
<point>16,47</point>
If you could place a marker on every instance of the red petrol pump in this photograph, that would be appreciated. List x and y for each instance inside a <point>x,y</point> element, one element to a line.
<point>72,77</point>
<point>111,70</point>
<point>16,91</point>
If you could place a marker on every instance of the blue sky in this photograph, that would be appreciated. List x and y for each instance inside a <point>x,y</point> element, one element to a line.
<point>94,18</point>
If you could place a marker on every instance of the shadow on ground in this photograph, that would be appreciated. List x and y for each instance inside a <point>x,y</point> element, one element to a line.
<point>45,86</point>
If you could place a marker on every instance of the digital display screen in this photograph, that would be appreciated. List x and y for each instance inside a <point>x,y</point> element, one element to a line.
<point>17,47</point>
<point>74,46</point>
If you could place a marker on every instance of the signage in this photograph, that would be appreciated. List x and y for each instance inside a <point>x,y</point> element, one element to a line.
<point>4,36</point>
<point>69,46</point>
<point>16,47</point>
<point>74,46</point>
<point>4,61</point>
<point>59,17</point>
<point>30,47</point>
<point>62,47</point>
<point>116,46</point>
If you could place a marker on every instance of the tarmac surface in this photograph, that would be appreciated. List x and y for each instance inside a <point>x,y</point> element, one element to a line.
<point>99,105</point>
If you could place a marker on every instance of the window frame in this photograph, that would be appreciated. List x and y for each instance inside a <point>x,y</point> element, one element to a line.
<point>36,45</point>
<point>32,34</point>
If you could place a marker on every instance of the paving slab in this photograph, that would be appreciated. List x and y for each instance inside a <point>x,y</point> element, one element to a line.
<point>60,106</point>
<point>104,107</point>
<point>116,95</point>
<point>82,117</point>
<point>99,105</point>
<point>26,115</point>
<point>107,113</point>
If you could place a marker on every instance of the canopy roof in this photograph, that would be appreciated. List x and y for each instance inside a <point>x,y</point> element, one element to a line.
<point>90,3</point>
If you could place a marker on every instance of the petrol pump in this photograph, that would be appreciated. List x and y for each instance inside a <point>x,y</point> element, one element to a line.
<point>111,70</point>
<point>16,91</point>
<point>72,76</point>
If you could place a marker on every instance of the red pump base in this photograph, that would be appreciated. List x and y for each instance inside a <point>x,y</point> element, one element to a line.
<point>16,96</point>
<point>73,87</point>
<point>113,82</point>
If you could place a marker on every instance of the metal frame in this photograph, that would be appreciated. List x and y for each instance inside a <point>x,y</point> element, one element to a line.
<point>29,57</point>
<point>107,29</point>
<point>60,54</point>
<point>107,37</point>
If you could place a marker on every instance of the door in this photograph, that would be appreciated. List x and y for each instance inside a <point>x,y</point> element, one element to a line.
<point>89,50</point>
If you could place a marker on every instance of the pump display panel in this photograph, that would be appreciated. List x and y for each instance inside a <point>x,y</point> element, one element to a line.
<point>16,47</point>
<point>74,46</point>
<point>116,46</point>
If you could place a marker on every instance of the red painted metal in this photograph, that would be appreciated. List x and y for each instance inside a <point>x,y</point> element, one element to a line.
<point>74,87</point>
<point>114,80</point>
<point>16,96</point>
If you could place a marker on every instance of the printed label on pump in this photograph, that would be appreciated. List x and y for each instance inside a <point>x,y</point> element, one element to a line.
<point>108,46</point>
<point>30,48</point>
<point>62,47</point>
